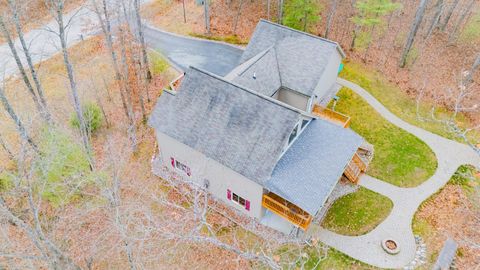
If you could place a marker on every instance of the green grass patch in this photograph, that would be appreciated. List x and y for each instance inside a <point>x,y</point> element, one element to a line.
<point>158,64</point>
<point>471,31</point>
<point>232,39</point>
<point>357,213</point>
<point>400,158</point>
<point>400,103</point>
<point>336,260</point>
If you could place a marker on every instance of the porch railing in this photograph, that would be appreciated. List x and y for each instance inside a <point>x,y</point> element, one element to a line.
<point>287,210</point>
<point>331,115</point>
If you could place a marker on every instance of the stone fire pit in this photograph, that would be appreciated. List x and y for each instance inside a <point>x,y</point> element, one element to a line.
<point>390,246</point>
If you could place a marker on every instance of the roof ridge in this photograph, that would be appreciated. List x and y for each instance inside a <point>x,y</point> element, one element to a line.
<point>307,34</point>
<point>278,66</point>
<point>277,102</point>
<point>259,55</point>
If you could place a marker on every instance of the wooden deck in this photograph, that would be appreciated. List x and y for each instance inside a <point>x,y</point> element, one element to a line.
<point>355,168</point>
<point>287,210</point>
<point>331,115</point>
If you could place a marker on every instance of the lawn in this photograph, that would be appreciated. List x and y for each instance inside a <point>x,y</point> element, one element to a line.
<point>400,103</point>
<point>400,158</point>
<point>336,260</point>
<point>357,213</point>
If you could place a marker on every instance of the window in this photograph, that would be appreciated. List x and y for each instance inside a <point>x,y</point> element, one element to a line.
<point>293,135</point>
<point>238,200</point>
<point>180,166</point>
<point>304,123</point>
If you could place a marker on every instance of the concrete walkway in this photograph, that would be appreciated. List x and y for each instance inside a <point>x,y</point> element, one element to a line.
<point>397,225</point>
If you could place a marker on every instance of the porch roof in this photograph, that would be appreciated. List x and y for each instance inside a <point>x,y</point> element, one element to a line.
<point>312,166</point>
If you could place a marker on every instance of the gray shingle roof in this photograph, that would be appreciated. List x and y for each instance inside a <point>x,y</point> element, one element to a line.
<point>267,76</point>
<point>312,166</point>
<point>237,127</point>
<point>301,57</point>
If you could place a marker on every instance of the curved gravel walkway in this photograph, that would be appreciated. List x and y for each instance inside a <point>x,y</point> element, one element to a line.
<point>397,225</point>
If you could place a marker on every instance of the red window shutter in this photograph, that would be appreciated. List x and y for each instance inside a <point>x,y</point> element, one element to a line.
<point>229,194</point>
<point>173,162</point>
<point>247,205</point>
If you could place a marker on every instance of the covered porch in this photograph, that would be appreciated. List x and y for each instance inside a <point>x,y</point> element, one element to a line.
<point>305,176</point>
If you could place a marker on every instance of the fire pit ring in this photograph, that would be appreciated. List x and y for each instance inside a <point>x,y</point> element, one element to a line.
<point>390,246</point>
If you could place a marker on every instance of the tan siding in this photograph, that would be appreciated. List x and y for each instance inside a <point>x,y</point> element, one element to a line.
<point>293,99</point>
<point>219,176</point>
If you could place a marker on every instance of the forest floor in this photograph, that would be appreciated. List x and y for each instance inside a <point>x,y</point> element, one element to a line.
<point>448,213</point>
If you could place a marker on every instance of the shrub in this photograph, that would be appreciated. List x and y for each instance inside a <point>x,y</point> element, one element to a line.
<point>463,176</point>
<point>92,115</point>
<point>63,170</point>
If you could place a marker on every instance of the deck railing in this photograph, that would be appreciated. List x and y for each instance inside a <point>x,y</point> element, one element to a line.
<point>176,82</point>
<point>331,115</point>
<point>287,210</point>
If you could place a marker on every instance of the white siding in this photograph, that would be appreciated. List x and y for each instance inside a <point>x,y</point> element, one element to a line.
<point>293,98</point>
<point>329,76</point>
<point>219,176</point>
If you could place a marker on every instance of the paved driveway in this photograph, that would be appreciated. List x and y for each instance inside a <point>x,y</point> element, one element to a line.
<point>215,57</point>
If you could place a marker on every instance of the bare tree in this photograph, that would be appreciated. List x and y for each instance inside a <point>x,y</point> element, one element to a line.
<point>26,80</point>
<point>18,123</point>
<point>473,69</point>
<point>331,15</point>
<point>28,57</point>
<point>413,32</point>
<point>141,37</point>
<point>57,8</point>
<point>7,150</point>
<point>207,15</point>
<point>436,18</point>
<point>448,15</point>
<point>467,10</point>
<point>237,17</point>
<point>280,12</point>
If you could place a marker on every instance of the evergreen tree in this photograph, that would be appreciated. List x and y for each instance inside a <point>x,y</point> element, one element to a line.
<point>301,14</point>
<point>370,14</point>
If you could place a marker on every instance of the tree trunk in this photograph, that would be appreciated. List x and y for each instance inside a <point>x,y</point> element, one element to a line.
<point>184,12</point>
<point>84,132</point>
<point>436,18</point>
<point>28,57</point>
<point>463,15</point>
<point>475,66</point>
<point>354,38</point>
<point>26,80</point>
<point>238,17</point>
<point>280,12</point>
<point>268,10</point>
<point>330,17</point>
<point>4,146</point>
<point>20,127</point>
<point>413,31</point>
<point>449,15</point>
<point>106,29</point>
<point>145,64</point>
<point>207,16</point>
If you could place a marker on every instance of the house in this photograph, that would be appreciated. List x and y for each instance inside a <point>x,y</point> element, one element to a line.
<point>261,138</point>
